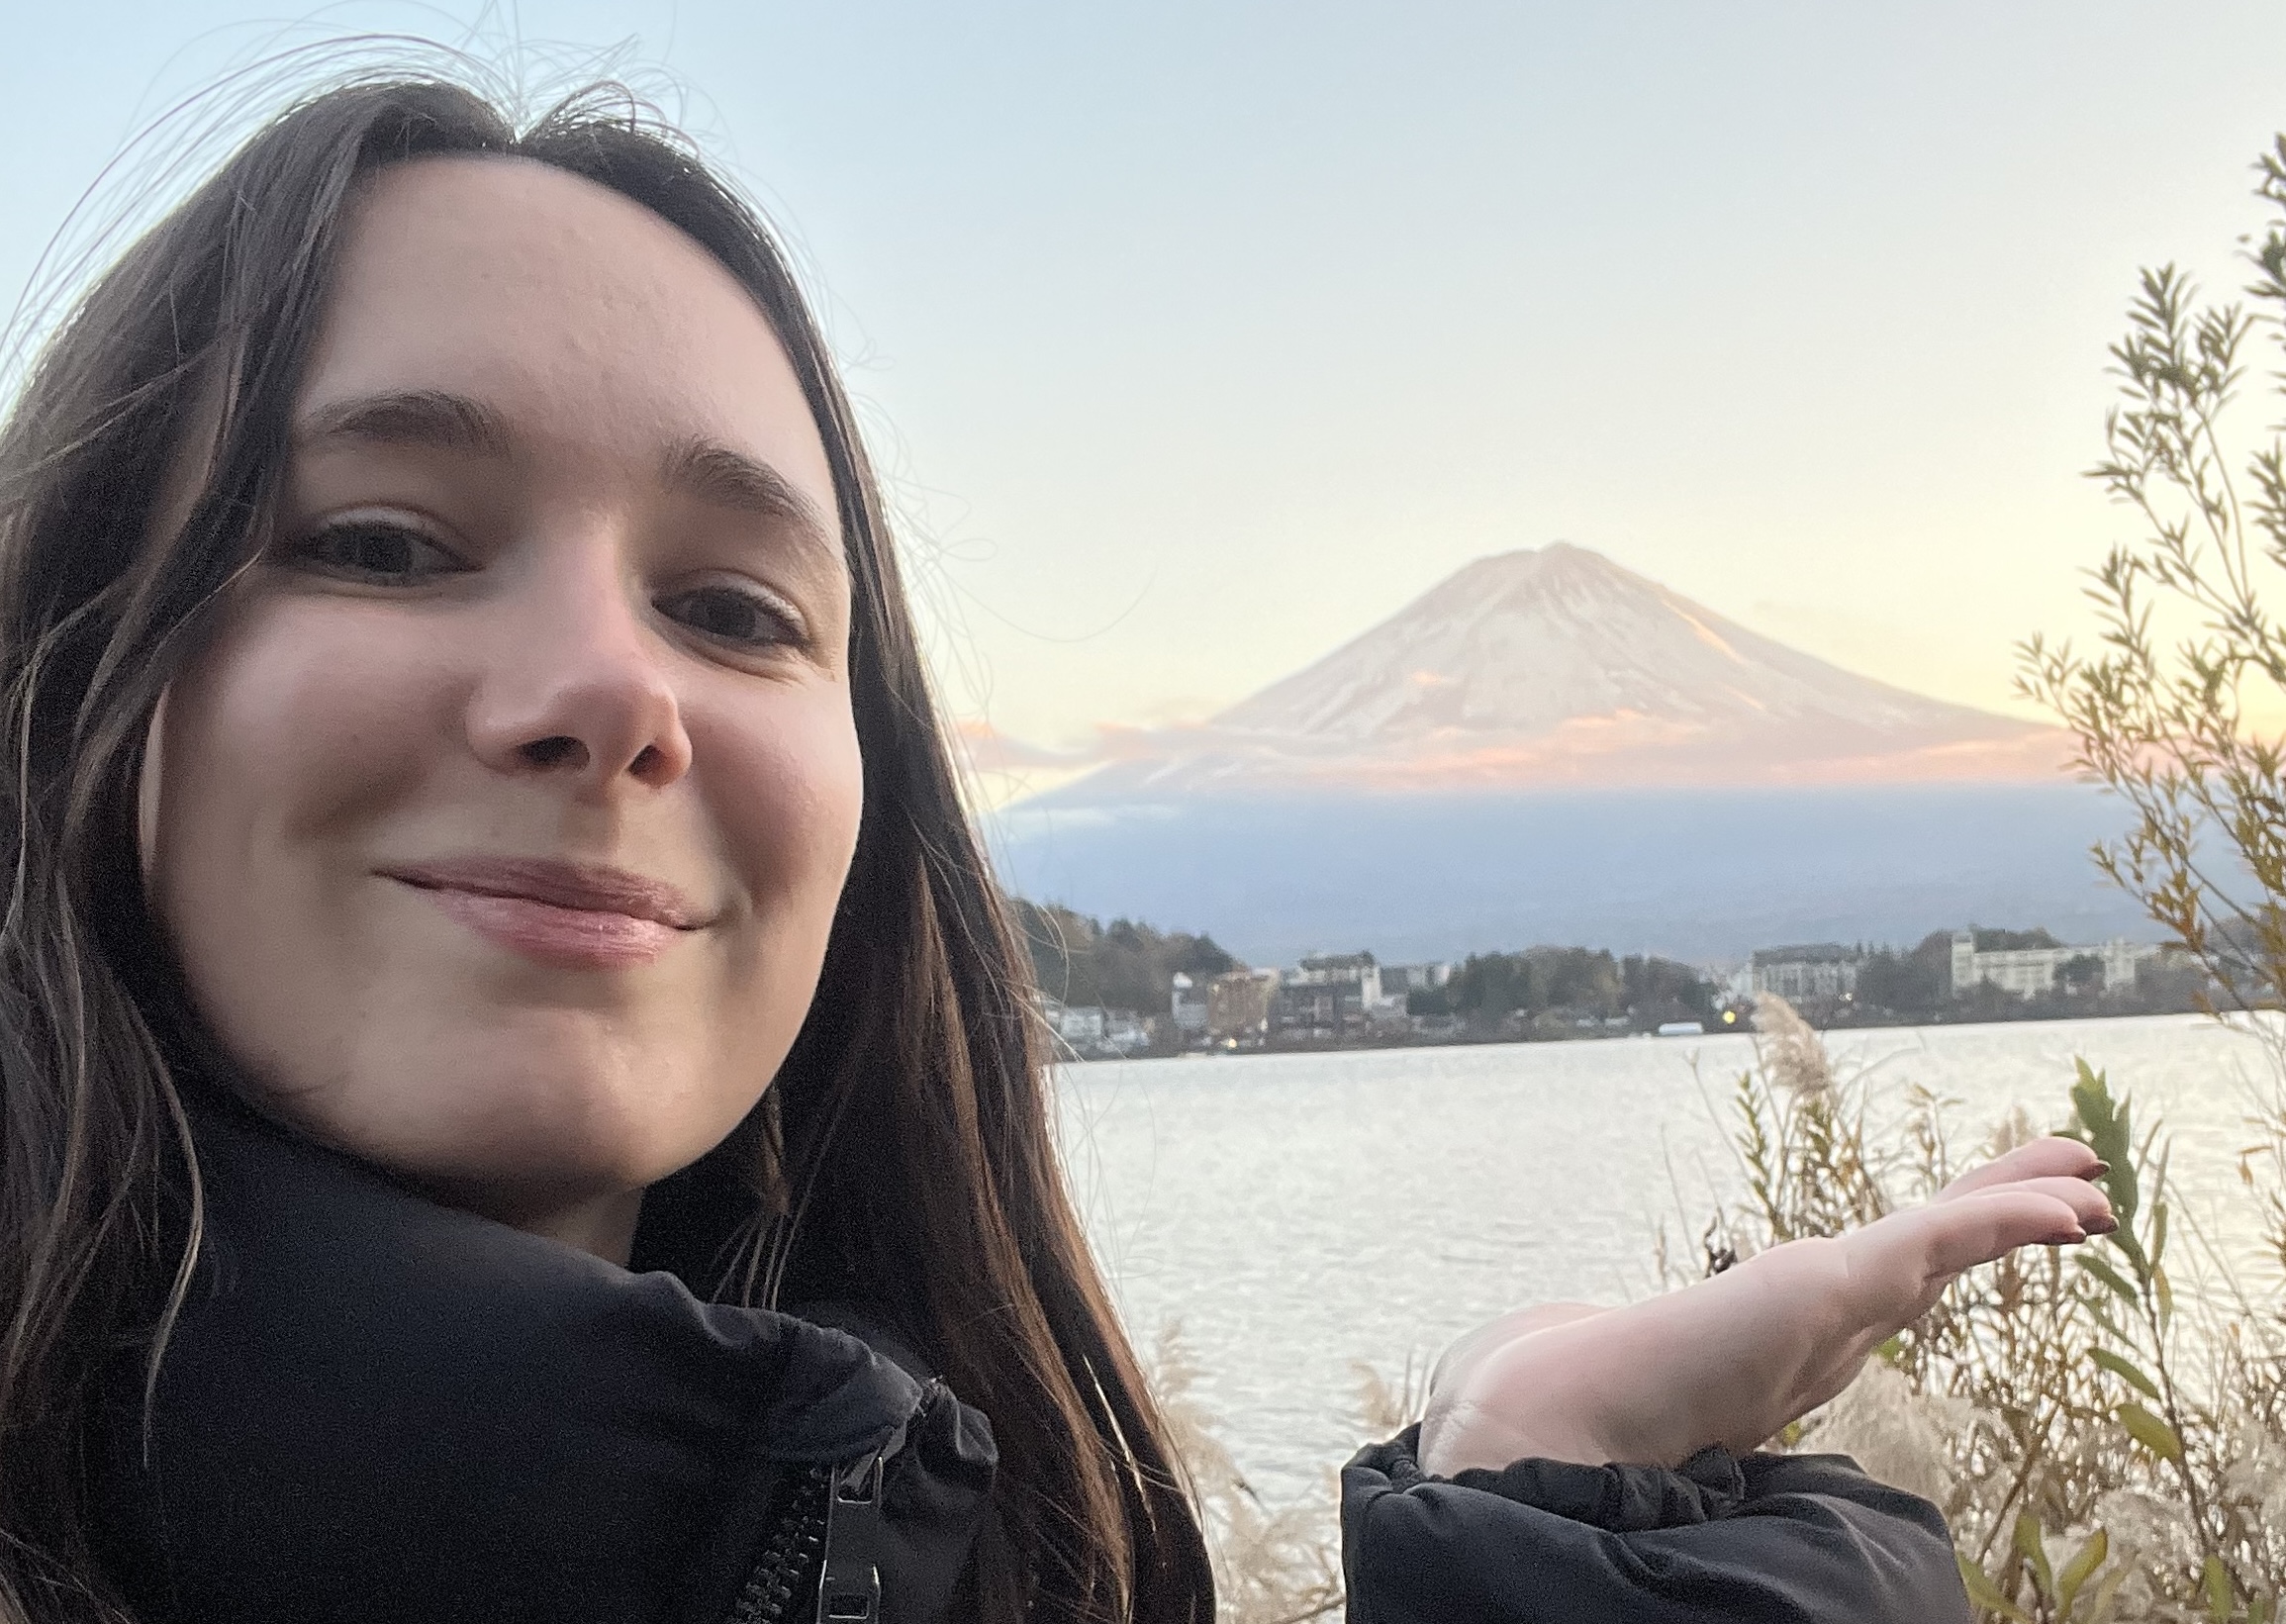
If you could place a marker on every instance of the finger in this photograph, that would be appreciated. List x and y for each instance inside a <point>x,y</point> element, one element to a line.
<point>1899,1265</point>
<point>2051,1157</point>
<point>2087,1201</point>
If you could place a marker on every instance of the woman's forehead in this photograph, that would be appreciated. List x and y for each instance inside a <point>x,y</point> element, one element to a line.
<point>583,321</point>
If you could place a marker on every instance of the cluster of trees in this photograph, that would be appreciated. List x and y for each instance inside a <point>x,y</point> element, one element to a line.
<point>1121,966</point>
<point>1572,983</point>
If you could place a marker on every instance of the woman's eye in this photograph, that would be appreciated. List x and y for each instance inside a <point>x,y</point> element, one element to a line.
<point>376,550</point>
<point>732,615</point>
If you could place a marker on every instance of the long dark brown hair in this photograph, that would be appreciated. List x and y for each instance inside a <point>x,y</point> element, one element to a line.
<point>904,1155</point>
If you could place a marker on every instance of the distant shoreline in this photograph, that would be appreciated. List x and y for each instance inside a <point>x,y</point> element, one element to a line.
<point>1888,1022</point>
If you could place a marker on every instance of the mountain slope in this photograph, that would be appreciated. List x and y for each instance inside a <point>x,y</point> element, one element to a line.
<point>1556,667</point>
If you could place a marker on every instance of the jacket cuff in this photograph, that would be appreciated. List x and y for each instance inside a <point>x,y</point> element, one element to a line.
<point>1622,1499</point>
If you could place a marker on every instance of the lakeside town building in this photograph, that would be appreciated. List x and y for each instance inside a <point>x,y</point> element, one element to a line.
<point>1819,973</point>
<point>1324,996</point>
<point>1094,1032</point>
<point>1190,1008</point>
<point>2026,971</point>
<point>1826,972</point>
<point>1241,1006</point>
<point>1400,979</point>
<point>1331,995</point>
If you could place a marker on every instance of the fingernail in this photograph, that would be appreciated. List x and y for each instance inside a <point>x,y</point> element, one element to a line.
<point>2070,1238</point>
<point>2101,1169</point>
<point>2101,1226</point>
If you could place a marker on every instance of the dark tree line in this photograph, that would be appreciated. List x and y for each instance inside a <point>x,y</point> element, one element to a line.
<point>1574,982</point>
<point>1915,980</point>
<point>1119,966</point>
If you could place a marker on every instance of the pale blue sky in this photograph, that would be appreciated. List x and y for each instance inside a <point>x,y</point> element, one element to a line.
<point>1202,336</point>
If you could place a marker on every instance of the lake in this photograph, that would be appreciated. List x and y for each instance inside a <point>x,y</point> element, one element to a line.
<point>1299,1213</point>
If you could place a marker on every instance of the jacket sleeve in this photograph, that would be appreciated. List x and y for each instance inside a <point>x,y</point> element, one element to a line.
<point>1771,1539</point>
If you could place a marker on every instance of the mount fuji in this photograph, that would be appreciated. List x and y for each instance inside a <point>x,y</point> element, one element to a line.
<point>1539,669</point>
<point>1548,747</point>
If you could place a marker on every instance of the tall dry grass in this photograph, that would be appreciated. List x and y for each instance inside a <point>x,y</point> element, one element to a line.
<point>1272,1564</point>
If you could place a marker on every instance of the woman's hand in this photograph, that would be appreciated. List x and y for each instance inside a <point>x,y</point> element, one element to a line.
<point>1732,1359</point>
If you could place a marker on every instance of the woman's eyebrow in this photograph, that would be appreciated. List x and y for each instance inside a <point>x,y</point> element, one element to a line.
<point>708,471</point>
<point>432,417</point>
<point>704,470</point>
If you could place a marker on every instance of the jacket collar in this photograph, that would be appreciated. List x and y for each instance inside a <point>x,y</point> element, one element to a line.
<point>376,1407</point>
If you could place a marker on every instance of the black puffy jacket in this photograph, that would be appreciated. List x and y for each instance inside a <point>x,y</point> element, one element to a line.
<point>1770,1539</point>
<point>375,1409</point>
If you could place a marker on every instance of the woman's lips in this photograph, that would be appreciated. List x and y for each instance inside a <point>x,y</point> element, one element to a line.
<point>571,938</point>
<point>562,915</point>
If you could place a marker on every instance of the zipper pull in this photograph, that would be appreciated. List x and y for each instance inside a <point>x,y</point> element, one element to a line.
<point>849,1588</point>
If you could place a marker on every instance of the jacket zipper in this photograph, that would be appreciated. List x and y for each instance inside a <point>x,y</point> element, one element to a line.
<point>849,1587</point>
<point>784,1571</point>
<point>825,1545</point>
<point>826,1542</point>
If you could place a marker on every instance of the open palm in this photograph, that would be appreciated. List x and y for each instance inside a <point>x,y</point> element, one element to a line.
<point>1733,1358</point>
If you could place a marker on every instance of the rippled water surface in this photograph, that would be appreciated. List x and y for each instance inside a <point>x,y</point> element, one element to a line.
<point>1299,1213</point>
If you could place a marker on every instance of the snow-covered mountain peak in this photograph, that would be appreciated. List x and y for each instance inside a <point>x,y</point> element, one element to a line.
<point>1555,665</point>
<point>1530,642</point>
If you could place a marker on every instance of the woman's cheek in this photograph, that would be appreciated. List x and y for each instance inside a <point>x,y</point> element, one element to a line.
<point>789,796</point>
<point>319,715</point>
<point>281,751</point>
<point>278,753</point>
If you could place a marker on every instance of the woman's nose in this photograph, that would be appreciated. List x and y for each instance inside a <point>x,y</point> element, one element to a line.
<point>578,685</point>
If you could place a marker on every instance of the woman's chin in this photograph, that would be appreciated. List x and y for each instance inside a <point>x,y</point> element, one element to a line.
<point>509,1144</point>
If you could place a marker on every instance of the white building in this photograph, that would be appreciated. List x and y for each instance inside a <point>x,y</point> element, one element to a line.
<point>1816,973</point>
<point>1090,1030</point>
<point>1356,974</point>
<point>2029,971</point>
<point>1186,1004</point>
<point>1078,1024</point>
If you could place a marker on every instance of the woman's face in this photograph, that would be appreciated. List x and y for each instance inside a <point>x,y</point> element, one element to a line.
<point>501,825</point>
